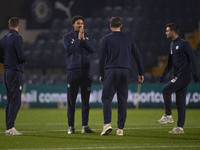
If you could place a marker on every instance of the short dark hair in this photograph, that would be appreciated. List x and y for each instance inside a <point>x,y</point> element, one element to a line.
<point>115,22</point>
<point>75,18</point>
<point>173,27</point>
<point>13,22</point>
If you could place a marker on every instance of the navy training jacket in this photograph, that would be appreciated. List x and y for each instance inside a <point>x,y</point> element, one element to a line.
<point>115,52</point>
<point>12,51</point>
<point>78,51</point>
<point>181,58</point>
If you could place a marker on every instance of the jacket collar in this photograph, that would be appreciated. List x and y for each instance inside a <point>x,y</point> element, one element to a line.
<point>13,31</point>
<point>177,39</point>
<point>116,31</point>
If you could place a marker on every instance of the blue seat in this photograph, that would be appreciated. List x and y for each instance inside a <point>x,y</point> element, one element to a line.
<point>107,11</point>
<point>56,25</point>
<point>128,22</point>
<point>88,23</point>
<point>98,23</point>
<point>39,45</point>
<point>117,11</point>
<point>95,32</point>
<point>50,44</point>
<point>66,24</point>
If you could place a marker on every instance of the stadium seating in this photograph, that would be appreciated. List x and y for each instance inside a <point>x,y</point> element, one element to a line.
<point>143,21</point>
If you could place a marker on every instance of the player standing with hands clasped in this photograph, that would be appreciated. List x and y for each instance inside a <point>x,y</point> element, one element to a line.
<point>182,59</point>
<point>115,57</point>
<point>79,46</point>
<point>13,57</point>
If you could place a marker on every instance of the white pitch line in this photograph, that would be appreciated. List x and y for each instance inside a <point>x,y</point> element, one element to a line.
<point>147,128</point>
<point>119,147</point>
<point>91,124</point>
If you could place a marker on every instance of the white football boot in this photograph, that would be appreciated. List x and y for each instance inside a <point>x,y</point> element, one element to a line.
<point>106,129</point>
<point>119,132</point>
<point>12,131</point>
<point>165,119</point>
<point>176,130</point>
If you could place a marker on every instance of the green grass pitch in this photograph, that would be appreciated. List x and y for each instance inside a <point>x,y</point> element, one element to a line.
<point>46,129</point>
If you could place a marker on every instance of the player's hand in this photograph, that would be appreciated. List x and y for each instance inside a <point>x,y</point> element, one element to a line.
<point>100,79</point>
<point>140,79</point>
<point>81,33</point>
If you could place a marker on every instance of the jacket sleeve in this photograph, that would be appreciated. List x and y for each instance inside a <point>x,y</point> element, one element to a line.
<point>20,50</point>
<point>167,68</point>
<point>190,54</point>
<point>138,58</point>
<point>1,54</point>
<point>71,45</point>
<point>89,45</point>
<point>102,58</point>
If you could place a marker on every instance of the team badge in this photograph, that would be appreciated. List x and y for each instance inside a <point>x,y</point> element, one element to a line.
<point>177,47</point>
<point>86,38</point>
<point>42,10</point>
<point>174,80</point>
<point>68,85</point>
<point>72,41</point>
<point>171,51</point>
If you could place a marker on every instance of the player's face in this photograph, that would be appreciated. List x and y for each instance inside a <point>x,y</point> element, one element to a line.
<point>78,24</point>
<point>169,33</point>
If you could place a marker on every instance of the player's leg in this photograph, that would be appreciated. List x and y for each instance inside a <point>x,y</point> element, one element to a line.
<point>181,103</point>
<point>108,91</point>
<point>85,96</point>
<point>14,86</point>
<point>167,91</point>
<point>108,94</point>
<point>72,91</point>
<point>181,98</point>
<point>181,106</point>
<point>122,96</point>
<point>8,97</point>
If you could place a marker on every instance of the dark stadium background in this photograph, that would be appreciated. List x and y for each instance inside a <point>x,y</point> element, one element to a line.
<point>45,23</point>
